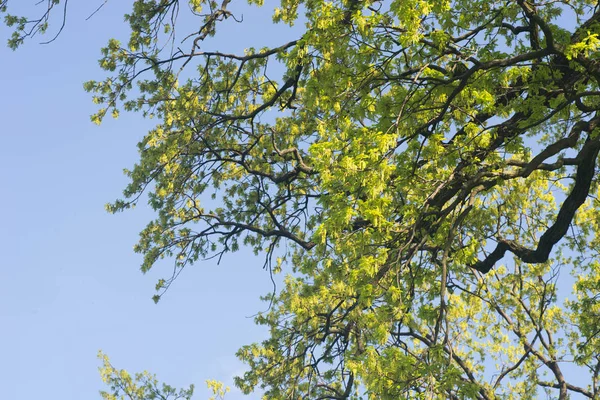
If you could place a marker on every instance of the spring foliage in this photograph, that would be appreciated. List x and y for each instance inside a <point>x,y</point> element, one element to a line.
<point>144,386</point>
<point>424,172</point>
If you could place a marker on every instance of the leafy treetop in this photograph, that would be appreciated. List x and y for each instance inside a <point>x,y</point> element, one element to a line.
<point>389,158</point>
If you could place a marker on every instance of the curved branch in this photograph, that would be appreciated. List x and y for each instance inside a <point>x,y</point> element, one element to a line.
<point>578,195</point>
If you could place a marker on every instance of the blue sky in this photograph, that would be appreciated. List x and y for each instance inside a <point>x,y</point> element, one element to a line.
<point>71,283</point>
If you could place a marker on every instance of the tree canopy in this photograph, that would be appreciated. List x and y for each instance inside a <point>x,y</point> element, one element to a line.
<point>423,171</point>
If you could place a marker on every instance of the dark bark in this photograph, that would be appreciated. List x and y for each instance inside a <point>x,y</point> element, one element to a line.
<point>583,181</point>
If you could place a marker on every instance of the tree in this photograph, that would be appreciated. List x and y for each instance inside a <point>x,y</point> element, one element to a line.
<point>145,386</point>
<point>423,170</point>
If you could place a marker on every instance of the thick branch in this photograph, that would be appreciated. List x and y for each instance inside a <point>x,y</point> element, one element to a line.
<point>578,195</point>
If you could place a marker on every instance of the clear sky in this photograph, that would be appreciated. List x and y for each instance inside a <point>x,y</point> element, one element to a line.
<point>71,283</point>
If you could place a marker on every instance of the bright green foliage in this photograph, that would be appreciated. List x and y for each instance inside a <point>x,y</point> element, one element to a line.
<point>145,386</point>
<point>24,27</point>
<point>142,386</point>
<point>389,159</point>
<point>219,390</point>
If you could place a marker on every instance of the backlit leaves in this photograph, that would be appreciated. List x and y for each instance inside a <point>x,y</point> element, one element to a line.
<point>391,157</point>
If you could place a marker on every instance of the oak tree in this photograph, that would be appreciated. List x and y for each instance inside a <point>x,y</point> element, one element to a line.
<point>424,172</point>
